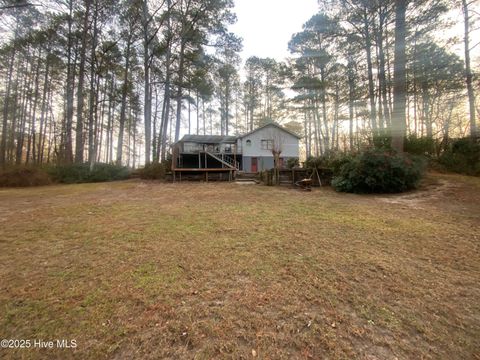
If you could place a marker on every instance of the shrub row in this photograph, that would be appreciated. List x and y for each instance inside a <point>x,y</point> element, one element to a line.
<point>19,176</point>
<point>462,156</point>
<point>83,173</point>
<point>379,169</point>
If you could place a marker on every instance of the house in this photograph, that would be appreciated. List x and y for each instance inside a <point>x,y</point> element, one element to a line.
<point>224,156</point>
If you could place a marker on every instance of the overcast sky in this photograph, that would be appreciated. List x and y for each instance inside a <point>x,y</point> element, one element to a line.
<point>266,26</point>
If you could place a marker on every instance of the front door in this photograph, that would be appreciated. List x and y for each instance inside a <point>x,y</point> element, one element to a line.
<point>254,165</point>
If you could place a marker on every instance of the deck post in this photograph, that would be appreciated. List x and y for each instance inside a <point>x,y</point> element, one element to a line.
<point>235,155</point>
<point>174,159</point>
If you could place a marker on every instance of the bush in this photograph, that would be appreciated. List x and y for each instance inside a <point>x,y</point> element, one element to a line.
<point>413,144</point>
<point>462,156</point>
<point>420,145</point>
<point>152,171</point>
<point>19,176</point>
<point>376,171</point>
<point>330,160</point>
<point>292,163</point>
<point>80,173</point>
<point>382,142</point>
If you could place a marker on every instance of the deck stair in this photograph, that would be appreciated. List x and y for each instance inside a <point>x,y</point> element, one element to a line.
<point>226,160</point>
<point>246,177</point>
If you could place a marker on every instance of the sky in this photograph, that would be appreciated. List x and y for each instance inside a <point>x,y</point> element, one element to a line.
<point>266,26</point>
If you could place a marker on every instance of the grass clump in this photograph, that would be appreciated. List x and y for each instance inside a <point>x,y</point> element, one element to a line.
<point>82,173</point>
<point>22,176</point>
<point>378,171</point>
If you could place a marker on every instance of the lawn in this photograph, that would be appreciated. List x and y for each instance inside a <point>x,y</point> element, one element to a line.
<point>192,270</point>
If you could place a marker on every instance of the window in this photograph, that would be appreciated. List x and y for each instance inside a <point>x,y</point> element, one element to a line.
<point>267,144</point>
<point>249,142</point>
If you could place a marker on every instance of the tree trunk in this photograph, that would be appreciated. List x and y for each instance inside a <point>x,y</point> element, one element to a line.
<point>166,98</point>
<point>67,151</point>
<point>179,90</point>
<point>34,114</point>
<point>44,108</point>
<point>227,105</point>
<point>123,106</point>
<point>3,143</point>
<point>147,106</point>
<point>92,96</point>
<point>381,73</point>
<point>371,89</point>
<point>323,99</point>
<point>109,140</point>
<point>468,70</point>
<point>23,118</point>
<point>81,79</point>
<point>399,78</point>
<point>351,98</point>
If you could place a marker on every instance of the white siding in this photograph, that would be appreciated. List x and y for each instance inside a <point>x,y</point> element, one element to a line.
<point>290,143</point>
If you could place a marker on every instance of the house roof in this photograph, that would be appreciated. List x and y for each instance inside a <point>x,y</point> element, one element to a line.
<point>271,124</point>
<point>209,139</point>
<point>220,139</point>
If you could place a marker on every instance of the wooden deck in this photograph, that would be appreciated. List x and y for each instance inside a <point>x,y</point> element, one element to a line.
<point>217,173</point>
<point>203,169</point>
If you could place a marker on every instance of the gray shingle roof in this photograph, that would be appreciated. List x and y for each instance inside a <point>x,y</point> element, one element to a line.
<point>209,139</point>
<point>271,124</point>
<point>219,139</point>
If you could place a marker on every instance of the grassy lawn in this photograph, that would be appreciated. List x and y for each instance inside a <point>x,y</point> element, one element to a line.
<point>219,270</point>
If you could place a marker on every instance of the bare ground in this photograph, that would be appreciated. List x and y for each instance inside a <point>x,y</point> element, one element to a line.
<point>149,270</point>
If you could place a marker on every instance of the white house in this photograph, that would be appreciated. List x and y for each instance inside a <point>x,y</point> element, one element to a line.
<point>256,147</point>
<point>219,154</point>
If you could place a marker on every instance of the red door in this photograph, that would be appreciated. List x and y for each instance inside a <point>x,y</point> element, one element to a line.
<point>254,165</point>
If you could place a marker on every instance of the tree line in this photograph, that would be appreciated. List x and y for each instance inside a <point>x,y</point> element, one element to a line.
<point>109,81</point>
<point>117,81</point>
<point>369,69</point>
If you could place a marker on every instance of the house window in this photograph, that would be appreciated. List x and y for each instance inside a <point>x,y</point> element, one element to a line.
<point>267,144</point>
<point>249,142</point>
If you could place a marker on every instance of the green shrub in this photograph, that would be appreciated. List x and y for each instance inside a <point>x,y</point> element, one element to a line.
<point>19,176</point>
<point>81,173</point>
<point>413,144</point>
<point>330,160</point>
<point>382,142</point>
<point>318,162</point>
<point>376,171</point>
<point>292,163</point>
<point>153,171</point>
<point>462,156</point>
<point>420,145</point>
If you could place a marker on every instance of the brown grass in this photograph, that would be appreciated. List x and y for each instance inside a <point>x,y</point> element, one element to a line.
<point>147,270</point>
